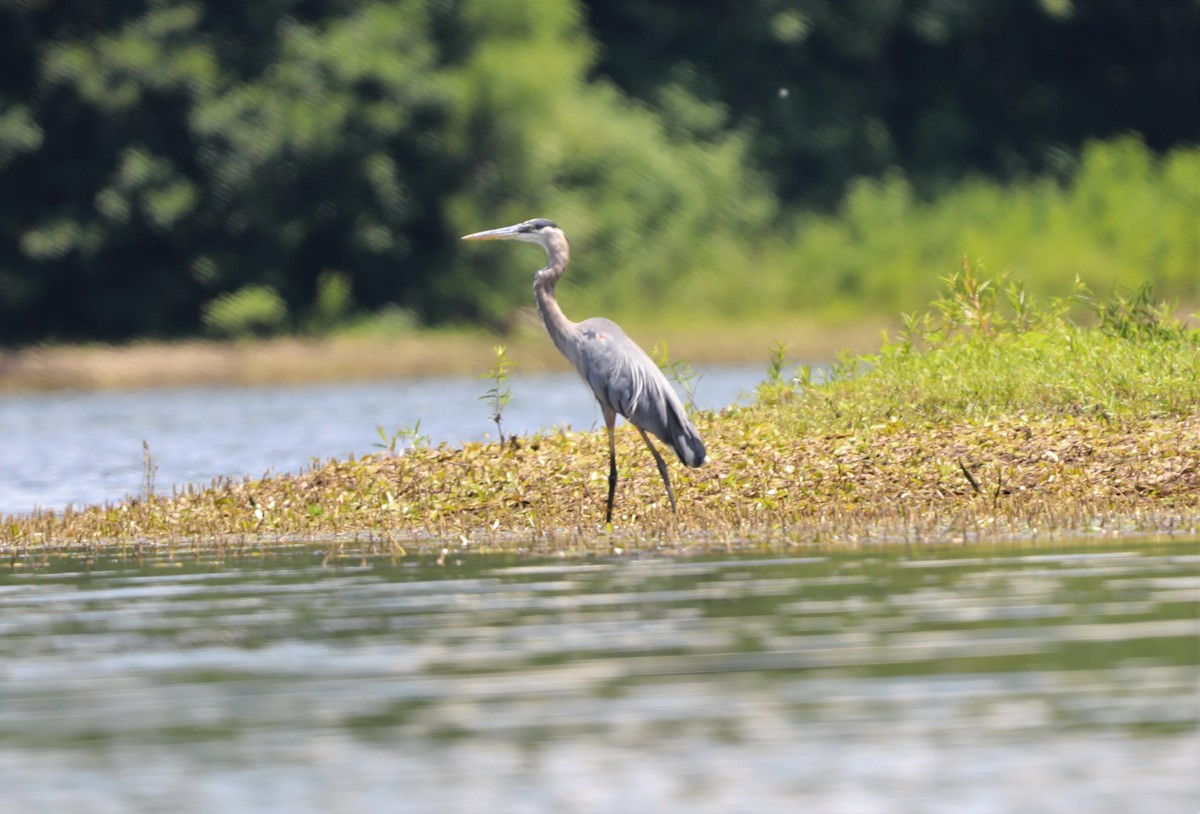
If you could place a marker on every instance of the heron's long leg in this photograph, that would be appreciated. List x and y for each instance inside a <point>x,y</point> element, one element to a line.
<point>610,418</point>
<point>662,467</point>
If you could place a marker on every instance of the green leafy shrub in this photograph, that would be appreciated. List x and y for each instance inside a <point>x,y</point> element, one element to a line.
<point>255,310</point>
<point>332,304</point>
<point>985,349</point>
<point>1127,218</point>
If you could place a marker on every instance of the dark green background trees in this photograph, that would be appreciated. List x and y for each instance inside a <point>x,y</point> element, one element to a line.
<point>940,88</point>
<point>156,157</point>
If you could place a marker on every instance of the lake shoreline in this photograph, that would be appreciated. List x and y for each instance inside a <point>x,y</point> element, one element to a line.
<point>295,360</point>
<point>1006,481</point>
<point>985,427</point>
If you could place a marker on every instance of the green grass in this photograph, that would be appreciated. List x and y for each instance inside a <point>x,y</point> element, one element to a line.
<point>986,350</point>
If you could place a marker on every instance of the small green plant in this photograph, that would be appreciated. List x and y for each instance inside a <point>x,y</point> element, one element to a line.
<point>776,362</point>
<point>255,310</point>
<point>679,372</point>
<point>913,329</point>
<point>1138,317</point>
<point>774,389</point>
<point>1018,301</point>
<point>403,437</point>
<point>149,470</point>
<point>498,395</point>
<point>983,309</point>
<point>969,304</point>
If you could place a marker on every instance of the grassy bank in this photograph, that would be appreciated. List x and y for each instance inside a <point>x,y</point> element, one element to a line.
<point>980,421</point>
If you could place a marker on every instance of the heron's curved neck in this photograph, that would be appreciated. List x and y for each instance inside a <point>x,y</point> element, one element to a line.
<point>556,322</point>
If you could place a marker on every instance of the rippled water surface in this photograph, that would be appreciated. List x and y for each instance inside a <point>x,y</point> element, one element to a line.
<point>888,681</point>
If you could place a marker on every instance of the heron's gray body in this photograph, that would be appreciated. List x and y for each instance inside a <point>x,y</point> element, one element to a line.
<point>626,381</point>
<point>623,378</point>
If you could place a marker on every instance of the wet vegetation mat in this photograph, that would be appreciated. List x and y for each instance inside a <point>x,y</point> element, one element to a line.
<point>985,419</point>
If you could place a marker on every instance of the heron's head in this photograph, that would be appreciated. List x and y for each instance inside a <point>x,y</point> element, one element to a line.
<point>539,230</point>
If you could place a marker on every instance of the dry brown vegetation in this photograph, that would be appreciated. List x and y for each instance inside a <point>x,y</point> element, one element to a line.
<point>971,480</point>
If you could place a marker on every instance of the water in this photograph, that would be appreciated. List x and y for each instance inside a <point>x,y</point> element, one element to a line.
<point>82,448</point>
<point>891,680</point>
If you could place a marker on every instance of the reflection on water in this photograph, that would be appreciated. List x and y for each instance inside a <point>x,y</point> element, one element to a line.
<point>80,448</point>
<point>893,680</point>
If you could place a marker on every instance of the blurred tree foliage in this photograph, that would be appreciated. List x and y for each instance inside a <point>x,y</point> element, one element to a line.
<point>159,156</point>
<point>834,89</point>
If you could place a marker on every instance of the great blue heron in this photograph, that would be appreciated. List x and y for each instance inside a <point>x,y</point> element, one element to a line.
<point>621,375</point>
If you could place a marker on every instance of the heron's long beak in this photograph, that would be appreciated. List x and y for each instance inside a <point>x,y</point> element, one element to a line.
<point>507,233</point>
